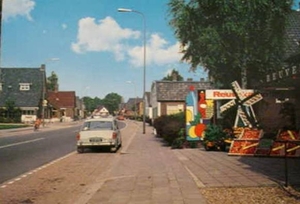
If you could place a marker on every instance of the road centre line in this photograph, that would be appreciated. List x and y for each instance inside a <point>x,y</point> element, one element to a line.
<point>19,143</point>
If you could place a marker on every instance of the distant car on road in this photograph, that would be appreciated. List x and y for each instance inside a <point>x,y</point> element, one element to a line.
<point>99,132</point>
<point>121,117</point>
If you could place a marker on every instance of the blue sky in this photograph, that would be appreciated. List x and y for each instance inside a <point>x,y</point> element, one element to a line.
<point>98,48</point>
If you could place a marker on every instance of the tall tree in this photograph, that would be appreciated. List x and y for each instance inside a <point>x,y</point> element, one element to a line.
<point>232,40</point>
<point>173,75</point>
<point>112,101</point>
<point>52,82</point>
<point>91,103</point>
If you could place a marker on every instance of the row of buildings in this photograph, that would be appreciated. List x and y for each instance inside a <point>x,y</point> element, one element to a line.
<point>26,89</point>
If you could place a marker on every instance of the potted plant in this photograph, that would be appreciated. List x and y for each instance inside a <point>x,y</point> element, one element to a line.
<point>214,138</point>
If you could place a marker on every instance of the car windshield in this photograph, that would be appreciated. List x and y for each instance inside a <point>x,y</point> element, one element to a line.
<point>95,125</point>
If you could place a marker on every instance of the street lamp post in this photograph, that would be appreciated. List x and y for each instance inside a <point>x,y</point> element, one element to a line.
<point>43,70</point>
<point>144,73</point>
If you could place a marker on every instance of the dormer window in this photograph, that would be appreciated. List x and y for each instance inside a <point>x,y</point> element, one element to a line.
<point>24,86</point>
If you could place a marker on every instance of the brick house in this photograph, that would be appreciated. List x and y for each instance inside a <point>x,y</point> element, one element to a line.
<point>168,97</point>
<point>62,105</point>
<point>281,105</point>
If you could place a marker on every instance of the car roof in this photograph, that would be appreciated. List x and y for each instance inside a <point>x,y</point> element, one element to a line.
<point>100,119</point>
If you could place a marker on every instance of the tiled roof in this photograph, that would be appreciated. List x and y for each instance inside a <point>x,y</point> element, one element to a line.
<point>62,99</point>
<point>177,90</point>
<point>11,79</point>
<point>132,101</point>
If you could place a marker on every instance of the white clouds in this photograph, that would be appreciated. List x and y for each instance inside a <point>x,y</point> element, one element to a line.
<point>13,8</point>
<point>105,36</point>
<point>64,26</point>
<point>108,36</point>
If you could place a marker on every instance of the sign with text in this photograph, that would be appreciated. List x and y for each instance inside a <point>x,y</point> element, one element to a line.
<point>220,94</point>
<point>283,73</point>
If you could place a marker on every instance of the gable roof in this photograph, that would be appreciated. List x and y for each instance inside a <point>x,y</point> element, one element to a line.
<point>132,102</point>
<point>11,78</point>
<point>62,99</point>
<point>148,98</point>
<point>177,90</point>
<point>100,110</point>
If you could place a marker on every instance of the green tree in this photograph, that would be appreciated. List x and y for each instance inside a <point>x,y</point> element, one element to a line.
<point>173,73</point>
<point>52,82</point>
<point>111,102</point>
<point>231,40</point>
<point>11,112</point>
<point>91,103</point>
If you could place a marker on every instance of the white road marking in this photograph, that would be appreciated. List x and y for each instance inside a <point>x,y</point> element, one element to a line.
<point>19,143</point>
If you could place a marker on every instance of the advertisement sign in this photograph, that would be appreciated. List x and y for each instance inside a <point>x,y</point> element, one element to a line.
<point>221,94</point>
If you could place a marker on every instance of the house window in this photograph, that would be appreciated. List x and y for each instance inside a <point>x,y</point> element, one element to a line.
<point>173,109</point>
<point>24,86</point>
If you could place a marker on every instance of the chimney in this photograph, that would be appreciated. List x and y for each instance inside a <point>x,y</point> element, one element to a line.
<point>189,79</point>
<point>202,80</point>
<point>56,88</point>
<point>43,67</point>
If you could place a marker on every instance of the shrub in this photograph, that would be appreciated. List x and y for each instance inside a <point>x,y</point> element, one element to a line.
<point>178,142</point>
<point>214,133</point>
<point>169,126</point>
<point>159,124</point>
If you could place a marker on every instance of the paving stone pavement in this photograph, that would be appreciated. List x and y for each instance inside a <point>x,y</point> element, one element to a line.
<point>148,172</point>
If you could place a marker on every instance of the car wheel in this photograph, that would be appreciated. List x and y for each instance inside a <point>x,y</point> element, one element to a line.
<point>80,150</point>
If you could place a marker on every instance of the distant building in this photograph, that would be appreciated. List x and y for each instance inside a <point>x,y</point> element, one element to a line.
<point>24,87</point>
<point>62,105</point>
<point>168,97</point>
<point>100,111</point>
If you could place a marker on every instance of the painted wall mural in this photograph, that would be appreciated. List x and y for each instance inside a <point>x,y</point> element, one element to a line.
<point>199,112</point>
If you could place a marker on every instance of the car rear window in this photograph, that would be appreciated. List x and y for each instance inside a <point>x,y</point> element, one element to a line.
<point>96,125</point>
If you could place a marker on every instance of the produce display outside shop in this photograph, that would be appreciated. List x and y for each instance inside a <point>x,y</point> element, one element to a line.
<point>246,137</point>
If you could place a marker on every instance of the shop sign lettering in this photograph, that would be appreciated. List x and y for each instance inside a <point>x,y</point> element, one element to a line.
<point>218,94</point>
<point>286,72</point>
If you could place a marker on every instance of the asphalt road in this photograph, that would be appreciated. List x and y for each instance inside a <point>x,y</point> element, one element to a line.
<point>19,154</point>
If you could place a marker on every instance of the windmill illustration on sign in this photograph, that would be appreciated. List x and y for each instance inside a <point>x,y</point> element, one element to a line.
<point>245,112</point>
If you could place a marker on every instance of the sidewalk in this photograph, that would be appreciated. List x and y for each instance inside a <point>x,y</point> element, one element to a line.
<point>149,172</point>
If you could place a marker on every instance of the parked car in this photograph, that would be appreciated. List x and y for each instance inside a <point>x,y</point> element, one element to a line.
<point>99,132</point>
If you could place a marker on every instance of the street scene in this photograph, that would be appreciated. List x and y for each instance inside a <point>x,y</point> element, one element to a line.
<point>143,170</point>
<point>149,102</point>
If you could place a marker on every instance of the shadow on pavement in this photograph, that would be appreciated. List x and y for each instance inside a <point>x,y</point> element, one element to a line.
<point>285,171</point>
